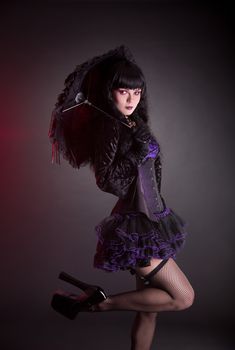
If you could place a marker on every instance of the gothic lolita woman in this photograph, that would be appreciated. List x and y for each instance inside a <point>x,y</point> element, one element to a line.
<point>101,119</point>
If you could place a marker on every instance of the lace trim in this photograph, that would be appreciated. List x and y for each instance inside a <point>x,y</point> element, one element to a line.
<point>162,214</point>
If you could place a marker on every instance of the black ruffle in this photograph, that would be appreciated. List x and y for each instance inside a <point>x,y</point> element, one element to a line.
<point>128,240</point>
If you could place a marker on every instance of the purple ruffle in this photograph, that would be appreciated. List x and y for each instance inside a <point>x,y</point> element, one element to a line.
<point>131,239</point>
<point>164,213</point>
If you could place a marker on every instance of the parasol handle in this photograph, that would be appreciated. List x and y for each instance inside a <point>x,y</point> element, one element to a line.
<point>130,125</point>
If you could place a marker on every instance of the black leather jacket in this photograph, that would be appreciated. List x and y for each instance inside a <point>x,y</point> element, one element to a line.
<point>118,154</point>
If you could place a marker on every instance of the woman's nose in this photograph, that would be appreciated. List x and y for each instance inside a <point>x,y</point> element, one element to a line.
<point>129,98</point>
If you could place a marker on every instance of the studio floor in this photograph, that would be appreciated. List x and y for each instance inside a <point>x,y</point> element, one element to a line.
<point>109,330</point>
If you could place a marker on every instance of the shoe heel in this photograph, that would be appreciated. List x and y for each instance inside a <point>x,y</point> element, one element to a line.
<point>82,285</point>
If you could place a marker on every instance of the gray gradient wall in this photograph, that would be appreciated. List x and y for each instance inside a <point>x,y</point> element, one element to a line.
<point>48,212</point>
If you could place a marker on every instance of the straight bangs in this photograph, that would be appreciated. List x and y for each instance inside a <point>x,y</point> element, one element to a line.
<point>129,76</point>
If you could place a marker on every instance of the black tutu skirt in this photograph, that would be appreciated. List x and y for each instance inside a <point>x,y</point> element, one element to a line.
<point>128,240</point>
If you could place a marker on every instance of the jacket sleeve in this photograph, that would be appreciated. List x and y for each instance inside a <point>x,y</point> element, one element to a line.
<point>115,173</point>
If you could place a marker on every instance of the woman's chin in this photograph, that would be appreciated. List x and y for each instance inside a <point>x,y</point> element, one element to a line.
<point>128,113</point>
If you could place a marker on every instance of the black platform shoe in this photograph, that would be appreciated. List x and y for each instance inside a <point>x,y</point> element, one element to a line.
<point>70,304</point>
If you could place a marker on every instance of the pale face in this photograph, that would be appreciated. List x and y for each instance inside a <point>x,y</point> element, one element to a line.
<point>125,99</point>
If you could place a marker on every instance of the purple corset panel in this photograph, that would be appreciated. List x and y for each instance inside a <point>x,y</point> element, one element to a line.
<point>149,198</point>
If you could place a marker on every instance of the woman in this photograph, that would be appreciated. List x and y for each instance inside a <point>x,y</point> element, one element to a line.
<point>141,235</point>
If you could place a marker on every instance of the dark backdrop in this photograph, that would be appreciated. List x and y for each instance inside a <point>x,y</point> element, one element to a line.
<point>48,212</point>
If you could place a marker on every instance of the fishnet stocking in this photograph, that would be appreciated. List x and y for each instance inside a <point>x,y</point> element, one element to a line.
<point>169,290</point>
<point>171,279</point>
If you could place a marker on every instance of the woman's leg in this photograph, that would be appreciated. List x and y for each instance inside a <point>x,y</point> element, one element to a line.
<point>169,290</point>
<point>143,328</point>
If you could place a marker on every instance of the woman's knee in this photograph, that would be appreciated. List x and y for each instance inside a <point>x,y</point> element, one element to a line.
<point>190,298</point>
<point>185,301</point>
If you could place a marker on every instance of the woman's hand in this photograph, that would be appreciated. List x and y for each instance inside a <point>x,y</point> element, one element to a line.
<point>141,139</point>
